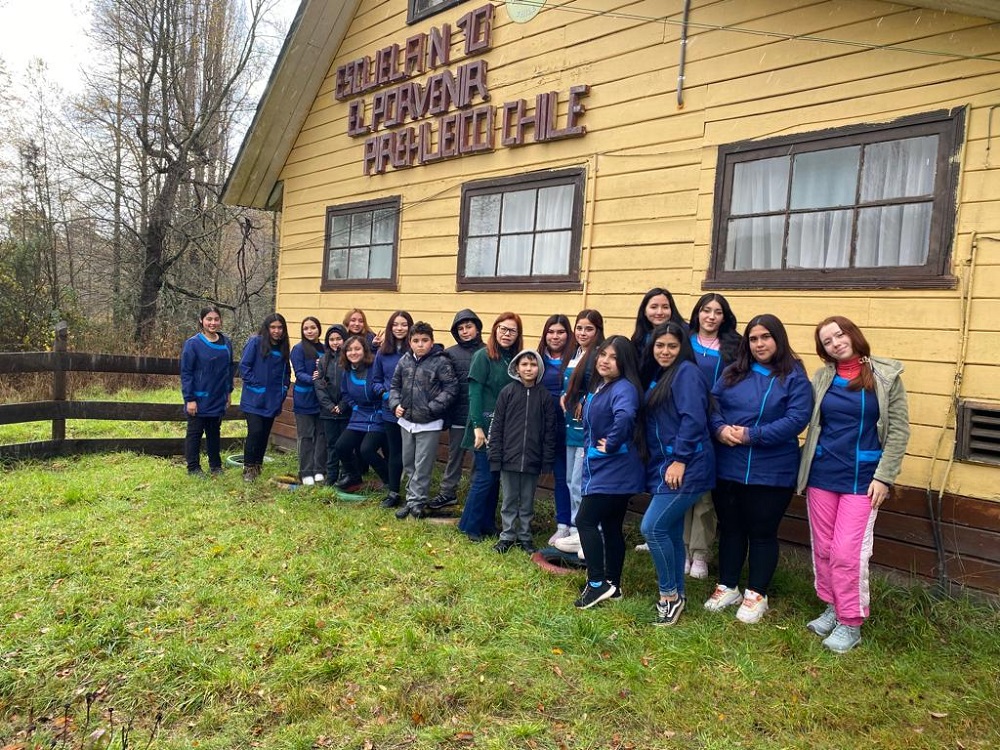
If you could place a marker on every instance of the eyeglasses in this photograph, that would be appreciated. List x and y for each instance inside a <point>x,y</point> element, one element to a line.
<point>505,331</point>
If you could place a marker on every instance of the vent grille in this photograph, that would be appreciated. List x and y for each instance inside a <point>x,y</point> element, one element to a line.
<point>978,432</point>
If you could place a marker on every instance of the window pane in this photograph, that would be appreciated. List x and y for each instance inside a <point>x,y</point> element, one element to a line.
<point>358,263</point>
<point>481,256</point>
<point>518,211</point>
<point>754,244</point>
<point>361,228</point>
<point>381,262</point>
<point>340,231</point>
<point>552,253</point>
<point>760,186</point>
<point>820,240</point>
<point>826,178</point>
<point>899,169</point>
<point>555,207</point>
<point>385,226</point>
<point>515,255</point>
<point>484,214</point>
<point>894,235</point>
<point>338,264</point>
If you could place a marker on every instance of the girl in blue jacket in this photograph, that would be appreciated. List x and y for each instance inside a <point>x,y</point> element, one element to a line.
<point>681,464</point>
<point>395,344</point>
<point>365,432</point>
<point>556,347</point>
<point>764,401</point>
<point>206,383</point>
<point>265,373</point>
<point>612,468</point>
<point>310,436</point>
<point>657,307</point>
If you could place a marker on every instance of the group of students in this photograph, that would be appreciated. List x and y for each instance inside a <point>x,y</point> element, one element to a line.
<point>702,418</point>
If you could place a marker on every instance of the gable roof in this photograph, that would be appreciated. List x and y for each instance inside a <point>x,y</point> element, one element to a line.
<point>312,42</point>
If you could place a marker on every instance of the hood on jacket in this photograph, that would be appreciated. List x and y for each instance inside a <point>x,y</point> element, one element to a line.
<point>463,315</point>
<point>335,328</point>
<point>512,369</point>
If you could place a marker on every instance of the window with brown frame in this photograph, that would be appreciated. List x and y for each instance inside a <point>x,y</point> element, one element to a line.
<point>417,10</point>
<point>522,232</point>
<point>362,241</point>
<point>861,207</point>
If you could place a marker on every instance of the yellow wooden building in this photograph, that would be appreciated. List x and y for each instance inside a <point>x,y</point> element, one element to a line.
<point>802,157</point>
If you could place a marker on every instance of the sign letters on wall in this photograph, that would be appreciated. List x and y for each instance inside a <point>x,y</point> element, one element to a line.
<point>413,107</point>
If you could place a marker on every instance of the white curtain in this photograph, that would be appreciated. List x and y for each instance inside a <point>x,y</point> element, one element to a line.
<point>758,186</point>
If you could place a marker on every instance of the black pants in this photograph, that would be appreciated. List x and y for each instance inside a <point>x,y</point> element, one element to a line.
<point>749,515</point>
<point>334,429</point>
<point>196,425</point>
<point>369,445</point>
<point>258,432</point>
<point>603,547</point>
<point>394,445</point>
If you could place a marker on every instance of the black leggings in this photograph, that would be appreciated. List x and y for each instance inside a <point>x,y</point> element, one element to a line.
<point>368,444</point>
<point>604,548</point>
<point>192,441</point>
<point>258,431</point>
<point>394,447</point>
<point>749,516</point>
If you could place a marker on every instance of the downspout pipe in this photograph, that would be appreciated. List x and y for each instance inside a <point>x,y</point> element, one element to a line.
<point>683,57</point>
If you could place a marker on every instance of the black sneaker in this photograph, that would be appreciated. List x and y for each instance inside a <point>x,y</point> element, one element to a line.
<point>528,547</point>
<point>504,545</point>
<point>419,510</point>
<point>348,484</point>
<point>392,500</point>
<point>440,501</point>
<point>401,513</point>
<point>617,596</point>
<point>197,473</point>
<point>216,471</point>
<point>591,595</point>
<point>667,613</point>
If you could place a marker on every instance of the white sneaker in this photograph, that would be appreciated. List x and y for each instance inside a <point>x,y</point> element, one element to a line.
<point>562,530</point>
<point>687,566</point>
<point>723,597</point>
<point>319,478</point>
<point>642,547</point>
<point>568,543</point>
<point>308,481</point>
<point>753,608</point>
<point>699,569</point>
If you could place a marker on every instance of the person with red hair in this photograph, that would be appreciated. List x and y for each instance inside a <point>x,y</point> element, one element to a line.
<point>853,451</point>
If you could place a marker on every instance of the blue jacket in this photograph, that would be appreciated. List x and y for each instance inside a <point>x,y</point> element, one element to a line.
<point>709,361</point>
<point>265,380</point>
<point>552,380</point>
<point>359,391</point>
<point>677,430</point>
<point>610,413</point>
<point>574,427</point>
<point>381,376</point>
<point>304,400</point>
<point>776,412</point>
<point>207,374</point>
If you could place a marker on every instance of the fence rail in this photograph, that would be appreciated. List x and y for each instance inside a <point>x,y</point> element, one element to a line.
<point>59,362</point>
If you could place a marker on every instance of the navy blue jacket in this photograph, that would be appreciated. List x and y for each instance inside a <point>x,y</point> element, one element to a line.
<point>709,361</point>
<point>776,411</point>
<point>677,430</point>
<point>304,400</point>
<point>207,374</point>
<point>610,414</point>
<point>359,391</point>
<point>265,380</point>
<point>381,377</point>
<point>849,450</point>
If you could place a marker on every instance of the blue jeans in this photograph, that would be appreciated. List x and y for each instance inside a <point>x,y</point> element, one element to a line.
<point>480,511</point>
<point>564,508</point>
<point>574,480</point>
<point>663,527</point>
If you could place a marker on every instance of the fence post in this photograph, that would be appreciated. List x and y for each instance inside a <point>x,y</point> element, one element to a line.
<point>59,377</point>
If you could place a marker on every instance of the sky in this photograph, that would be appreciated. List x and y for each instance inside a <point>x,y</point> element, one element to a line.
<point>55,31</point>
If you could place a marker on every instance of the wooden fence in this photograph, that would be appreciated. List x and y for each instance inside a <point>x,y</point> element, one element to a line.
<point>60,362</point>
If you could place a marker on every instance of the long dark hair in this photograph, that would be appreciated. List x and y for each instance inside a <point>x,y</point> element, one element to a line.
<point>493,346</point>
<point>628,369</point>
<point>265,336</point>
<point>665,378</point>
<point>578,380</point>
<point>784,362</point>
<point>865,379</point>
<point>729,337</point>
<point>366,360</point>
<point>308,346</point>
<point>568,351</point>
<point>392,345</point>
<point>642,326</point>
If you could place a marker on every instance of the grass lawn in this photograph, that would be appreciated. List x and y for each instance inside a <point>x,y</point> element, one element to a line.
<point>179,612</point>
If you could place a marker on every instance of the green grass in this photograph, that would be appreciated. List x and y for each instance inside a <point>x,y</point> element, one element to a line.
<point>250,616</point>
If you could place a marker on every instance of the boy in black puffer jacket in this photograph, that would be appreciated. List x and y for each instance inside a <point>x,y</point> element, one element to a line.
<point>522,443</point>
<point>424,385</point>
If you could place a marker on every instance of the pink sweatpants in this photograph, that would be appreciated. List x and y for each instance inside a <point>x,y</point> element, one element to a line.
<point>842,530</point>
